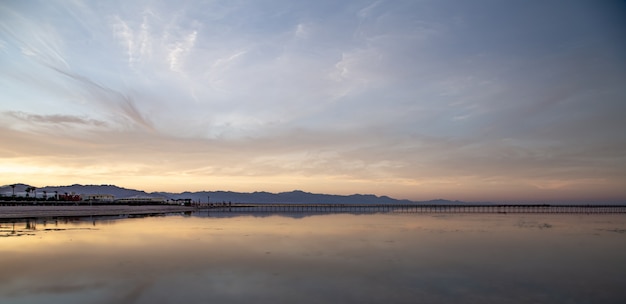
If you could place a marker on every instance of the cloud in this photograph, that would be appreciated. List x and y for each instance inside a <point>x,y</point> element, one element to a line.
<point>35,40</point>
<point>55,119</point>
<point>55,289</point>
<point>369,9</point>
<point>109,99</point>
<point>302,31</point>
<point>148,40</point>
<point>125,35</point>
<point>179,49</point>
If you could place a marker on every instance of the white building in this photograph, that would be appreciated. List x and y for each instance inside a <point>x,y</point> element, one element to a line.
<point>100,197</point>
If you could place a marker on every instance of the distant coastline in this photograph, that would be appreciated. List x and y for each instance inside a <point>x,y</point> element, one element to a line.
<point>113,193</point>
<point>26,212</point>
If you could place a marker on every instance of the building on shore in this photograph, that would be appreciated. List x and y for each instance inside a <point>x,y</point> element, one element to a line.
<point>100,198</point>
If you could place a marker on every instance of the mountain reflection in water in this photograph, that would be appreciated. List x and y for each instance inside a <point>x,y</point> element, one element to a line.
<point>334,258</point>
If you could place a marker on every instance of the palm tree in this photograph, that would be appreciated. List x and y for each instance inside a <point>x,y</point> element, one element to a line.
<point>13,188</point>
<point>27,191</point>
<point>56,195</point>
<point>45,195</point>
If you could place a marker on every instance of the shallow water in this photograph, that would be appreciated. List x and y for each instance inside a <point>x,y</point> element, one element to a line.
<point>330,258</point>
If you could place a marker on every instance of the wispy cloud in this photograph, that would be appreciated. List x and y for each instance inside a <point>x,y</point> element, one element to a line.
<point>34,40</point>
<point>147,41</point>
<point>179,49</point>
<point>108,98</point>
<point>55,119</point>
<point>125,35</point>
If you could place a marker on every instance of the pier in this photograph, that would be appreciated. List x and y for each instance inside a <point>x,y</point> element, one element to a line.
<point>413,208</point>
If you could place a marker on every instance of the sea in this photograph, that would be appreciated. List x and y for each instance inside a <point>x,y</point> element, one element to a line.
<point>315,258</point>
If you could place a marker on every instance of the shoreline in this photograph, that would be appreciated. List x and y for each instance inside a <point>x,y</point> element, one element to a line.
<point>30,212</point>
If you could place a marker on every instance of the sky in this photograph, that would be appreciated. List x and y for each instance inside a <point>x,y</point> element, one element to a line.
<point>516,101</point>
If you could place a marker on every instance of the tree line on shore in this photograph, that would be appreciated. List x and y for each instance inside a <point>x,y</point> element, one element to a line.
<point>45,197</point>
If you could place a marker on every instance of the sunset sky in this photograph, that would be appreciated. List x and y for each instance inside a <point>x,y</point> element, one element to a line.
<point>469,100</point>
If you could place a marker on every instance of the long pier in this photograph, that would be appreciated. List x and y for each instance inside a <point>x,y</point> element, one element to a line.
<point>413,208</point>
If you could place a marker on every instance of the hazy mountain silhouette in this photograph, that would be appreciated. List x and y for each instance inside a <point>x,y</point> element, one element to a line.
<point>296,196</point>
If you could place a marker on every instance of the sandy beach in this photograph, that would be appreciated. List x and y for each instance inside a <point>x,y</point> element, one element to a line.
<point>18,212</point>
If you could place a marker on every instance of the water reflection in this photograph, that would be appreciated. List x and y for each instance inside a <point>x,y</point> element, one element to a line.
<point>345,258</point>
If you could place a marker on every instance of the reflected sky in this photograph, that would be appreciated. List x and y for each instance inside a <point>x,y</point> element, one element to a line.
<point>338,258</point>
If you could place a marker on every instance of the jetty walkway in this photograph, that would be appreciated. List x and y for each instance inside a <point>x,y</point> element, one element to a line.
<point>412,208</point>
<point>22,211</point>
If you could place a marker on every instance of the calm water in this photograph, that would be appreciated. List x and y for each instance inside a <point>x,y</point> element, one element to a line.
<point>334,258</point>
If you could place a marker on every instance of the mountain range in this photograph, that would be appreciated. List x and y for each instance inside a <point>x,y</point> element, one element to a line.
<point>295,196</point>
